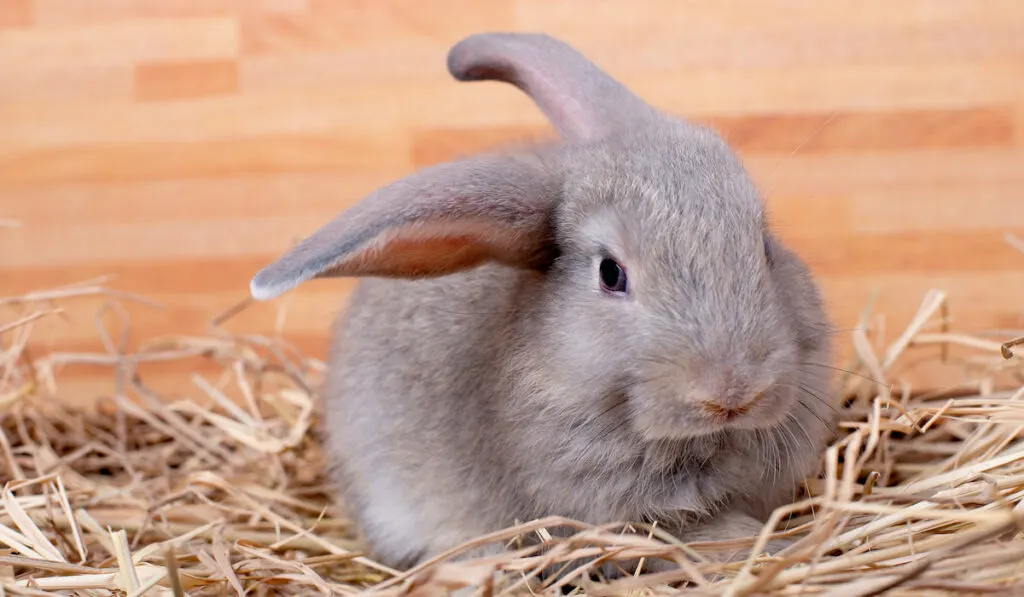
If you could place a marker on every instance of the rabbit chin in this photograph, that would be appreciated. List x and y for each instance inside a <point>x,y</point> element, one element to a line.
<point>654,420</point>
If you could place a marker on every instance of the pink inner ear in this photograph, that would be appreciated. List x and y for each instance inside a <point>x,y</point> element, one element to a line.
<point>411,257</point>
<point>428,250</point>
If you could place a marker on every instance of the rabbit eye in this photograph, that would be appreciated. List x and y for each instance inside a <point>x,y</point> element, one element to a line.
<point>613,277</point>
<point>768,249</point>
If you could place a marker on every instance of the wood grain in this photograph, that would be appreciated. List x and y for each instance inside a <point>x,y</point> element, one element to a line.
<point>16,13</point>
<point>182,80</point>
<point>121,42</point>
<point>181,146</point>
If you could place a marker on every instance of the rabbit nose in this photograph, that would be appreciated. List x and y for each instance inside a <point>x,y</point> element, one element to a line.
<point>732,406</point>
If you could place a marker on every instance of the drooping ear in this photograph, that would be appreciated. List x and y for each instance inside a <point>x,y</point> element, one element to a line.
<point>581,100</point>
<point>435,222</point>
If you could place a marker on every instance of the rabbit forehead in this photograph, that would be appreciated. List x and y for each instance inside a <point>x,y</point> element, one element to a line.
<point>671,189</point>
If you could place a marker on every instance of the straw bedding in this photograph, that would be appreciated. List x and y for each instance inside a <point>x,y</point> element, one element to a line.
<point>223,491</point>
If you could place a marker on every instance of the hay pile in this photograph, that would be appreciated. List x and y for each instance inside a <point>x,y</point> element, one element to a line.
<point>222,492</point>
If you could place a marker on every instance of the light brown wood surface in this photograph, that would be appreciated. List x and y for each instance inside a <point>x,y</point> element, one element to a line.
<point>182,145</point>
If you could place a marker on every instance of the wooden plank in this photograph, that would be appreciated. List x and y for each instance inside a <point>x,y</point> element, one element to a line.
<point>804,133</point>
<point>122,42</point>
<point>27,83</point>
<point>75,243</point>
<point>653,49</point>
<point>331,25</point>
<point>15,13</point>
<point>157,81</point>
<point>222,197</point>
<point>918,252</point>
<point>883,86</point>
<point>396,61</point>
<point>853,171</point>
<point>874,131</point>
<point>338,151</point>
<point>50,13</point>
<point>157,280</point>
<point>657,15</point>
<point>1018,129</point>
<point>995,206</point>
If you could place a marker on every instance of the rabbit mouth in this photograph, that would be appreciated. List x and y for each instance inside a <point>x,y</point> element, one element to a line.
<point>726,414</point>
<point>685,420</point>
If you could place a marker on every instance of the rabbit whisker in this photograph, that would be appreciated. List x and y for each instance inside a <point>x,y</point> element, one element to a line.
<point>816,415</point>
<point>842,370</point>
<point>776,455</point>
<point>803,388</point>
<point>822,399</point>
<point>790,446</point>
<point>803,431</point>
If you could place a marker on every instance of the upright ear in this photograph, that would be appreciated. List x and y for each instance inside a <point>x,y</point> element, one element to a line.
<point>435,222</point>
<point>581,100</point>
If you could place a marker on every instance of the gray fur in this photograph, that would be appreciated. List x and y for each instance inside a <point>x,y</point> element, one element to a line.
<point>580,100</point>
<point>464,399</point>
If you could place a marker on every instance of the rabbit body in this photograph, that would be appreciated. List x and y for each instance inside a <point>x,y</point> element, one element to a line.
<point>461,404</point>
<point>603,329</point>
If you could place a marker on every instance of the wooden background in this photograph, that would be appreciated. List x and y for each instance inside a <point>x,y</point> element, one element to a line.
<point>183,144</point>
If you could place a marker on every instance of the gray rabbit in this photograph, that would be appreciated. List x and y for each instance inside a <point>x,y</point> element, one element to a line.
<point>602,328</point>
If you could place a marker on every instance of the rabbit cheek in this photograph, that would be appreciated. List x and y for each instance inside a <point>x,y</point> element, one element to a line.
<point>654,426</point>
<point>660,417</point>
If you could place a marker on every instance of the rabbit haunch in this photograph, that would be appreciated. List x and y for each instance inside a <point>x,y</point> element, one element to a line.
<point>484,374</point>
